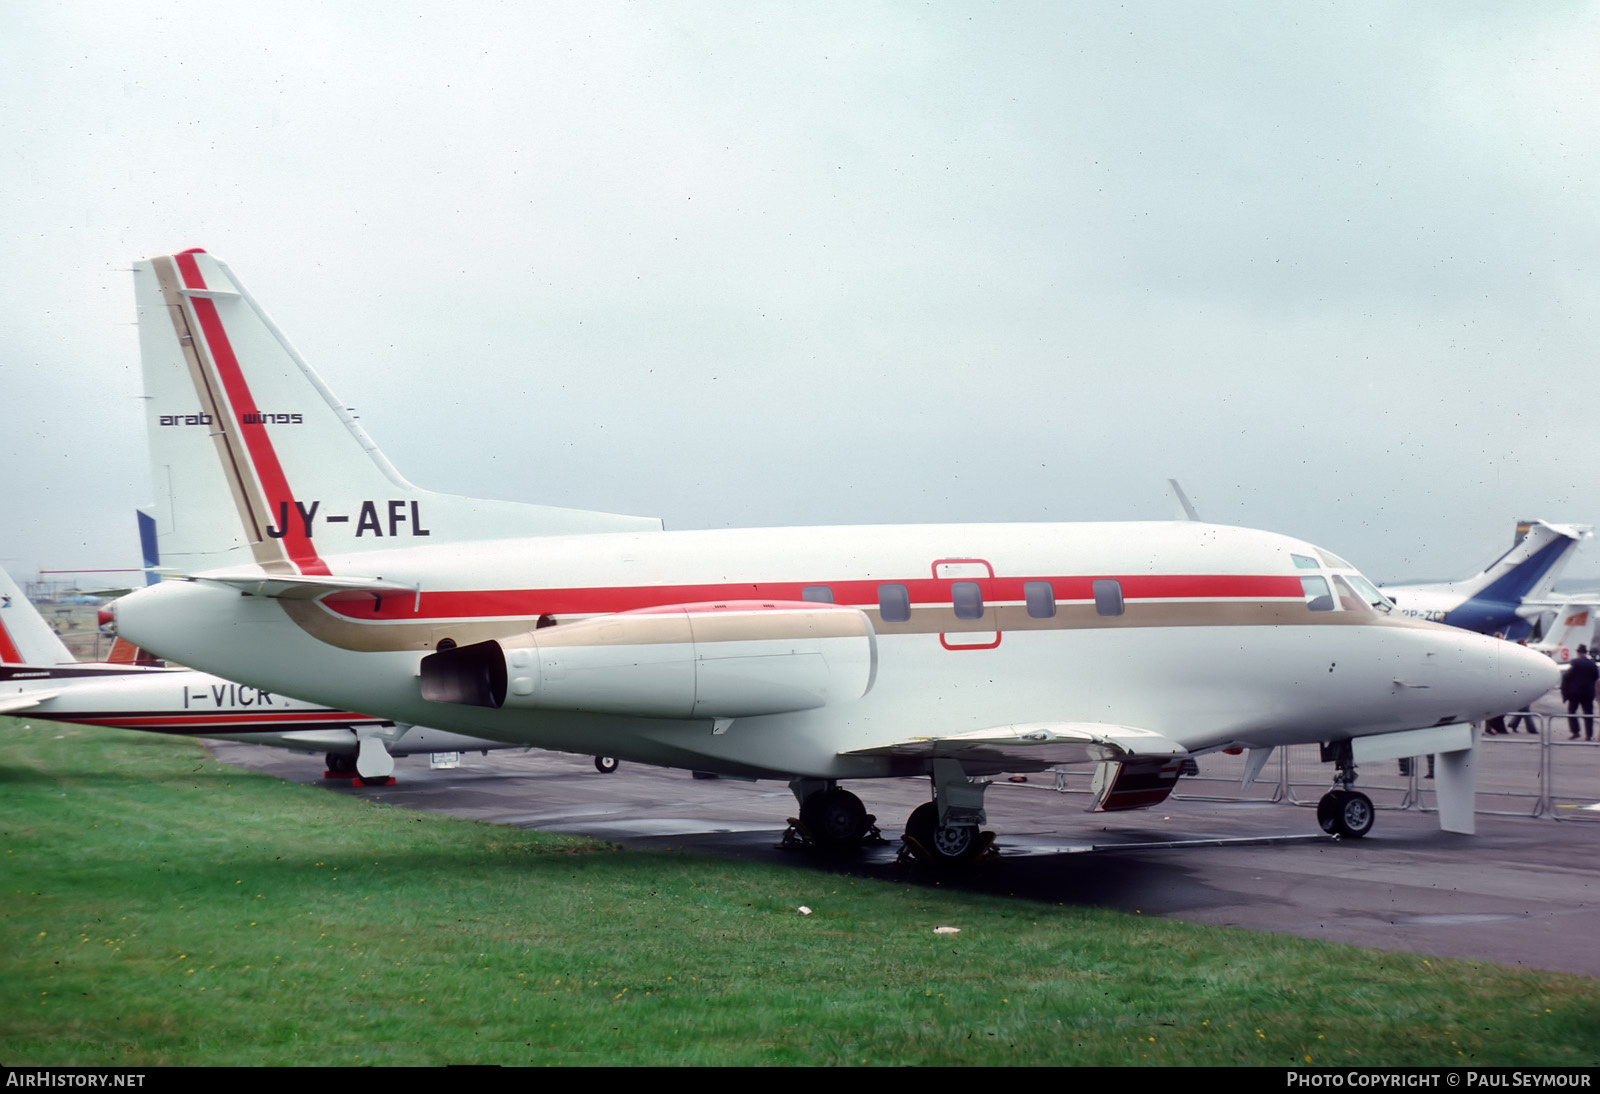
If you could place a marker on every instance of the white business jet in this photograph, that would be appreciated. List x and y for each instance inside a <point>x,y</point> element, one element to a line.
<point>811,655</point>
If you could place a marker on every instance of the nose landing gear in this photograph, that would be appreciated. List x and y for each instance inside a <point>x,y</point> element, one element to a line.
<point>1346,813</point>
<point>1343,811</point>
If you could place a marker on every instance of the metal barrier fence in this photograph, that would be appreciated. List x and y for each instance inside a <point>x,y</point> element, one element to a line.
<point>1539,770</point>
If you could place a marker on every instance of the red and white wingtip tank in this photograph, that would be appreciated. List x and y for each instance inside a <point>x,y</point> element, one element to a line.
<point>807,654</point>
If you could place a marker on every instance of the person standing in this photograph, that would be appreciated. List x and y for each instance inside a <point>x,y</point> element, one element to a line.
<point>1577,688</point>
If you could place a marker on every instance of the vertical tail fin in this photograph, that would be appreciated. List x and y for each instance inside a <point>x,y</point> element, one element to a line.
<point>25,638</point>
<point>1532,565</point>
<point>255,461</point>
<point>1573,626</point>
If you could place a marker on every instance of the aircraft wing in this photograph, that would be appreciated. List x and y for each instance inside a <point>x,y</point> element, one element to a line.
<point>1035,745</point>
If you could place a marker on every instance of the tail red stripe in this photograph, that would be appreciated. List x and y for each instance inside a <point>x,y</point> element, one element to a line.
<point>264,457</point>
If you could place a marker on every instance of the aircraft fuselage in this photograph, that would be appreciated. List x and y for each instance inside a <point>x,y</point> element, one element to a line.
<point>1208,635</point>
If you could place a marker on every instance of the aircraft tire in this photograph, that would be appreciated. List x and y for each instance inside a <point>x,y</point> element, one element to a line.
<point>1356,815</point>
<point>605,764</point>
<point>834,818</point>
<point>1328,810</point>
<point>949,845</point>
<point>1347,813</point>
<point>341,765</point>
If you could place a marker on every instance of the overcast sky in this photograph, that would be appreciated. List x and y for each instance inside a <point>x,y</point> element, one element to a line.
<point>1332,265</point>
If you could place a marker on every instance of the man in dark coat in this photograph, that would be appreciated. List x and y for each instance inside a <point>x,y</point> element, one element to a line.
<point>1577,688</point>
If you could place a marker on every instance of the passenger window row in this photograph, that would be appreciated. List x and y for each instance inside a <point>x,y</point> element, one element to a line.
<point>894,601</point>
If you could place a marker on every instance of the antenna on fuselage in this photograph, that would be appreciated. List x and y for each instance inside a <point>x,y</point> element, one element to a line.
<point>1183,509</point>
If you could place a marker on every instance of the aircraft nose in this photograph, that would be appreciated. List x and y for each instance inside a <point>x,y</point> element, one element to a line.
<point>1527,674</point>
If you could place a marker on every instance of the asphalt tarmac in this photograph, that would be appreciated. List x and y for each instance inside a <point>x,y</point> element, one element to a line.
<point>1521,892</point>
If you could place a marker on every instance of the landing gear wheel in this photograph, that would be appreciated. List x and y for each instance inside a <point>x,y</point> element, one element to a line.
<point>1356,815</point>
<point>946,846</point>
<point>1346,813</point>
<point>605,764</point>
<point>341,765</point>
<point>1328,811</point>
<point>834,818</point>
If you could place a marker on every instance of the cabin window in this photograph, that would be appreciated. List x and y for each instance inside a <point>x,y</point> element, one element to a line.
<point>894,603</point>
<point>817,594</point>
<point>967,599</point>
<point>1318,599</point>
<point>1041,596</point>
<point>1108,596</point>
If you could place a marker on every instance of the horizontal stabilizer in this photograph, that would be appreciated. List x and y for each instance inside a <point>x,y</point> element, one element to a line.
<point>304,586</point>
<point>1035,745</point>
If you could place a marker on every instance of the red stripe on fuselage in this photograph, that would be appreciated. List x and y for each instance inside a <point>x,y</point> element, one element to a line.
<point>604,601</point>
<point>276,720</point>
<point>242,405</point>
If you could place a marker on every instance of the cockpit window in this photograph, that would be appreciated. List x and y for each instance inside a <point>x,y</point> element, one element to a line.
<point>1349,600</point>
<point>1304,562</point>
<point>1368,592</point>
<point>1333,561</point>
<point>1318,599</point>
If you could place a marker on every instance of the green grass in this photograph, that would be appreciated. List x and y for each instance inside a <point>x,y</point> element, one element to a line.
<point>161,908</point>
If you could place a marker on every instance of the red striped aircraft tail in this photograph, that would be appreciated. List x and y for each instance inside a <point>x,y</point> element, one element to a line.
<point>255,461</point>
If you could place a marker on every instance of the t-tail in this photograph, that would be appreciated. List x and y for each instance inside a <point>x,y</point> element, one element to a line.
<point>1499,599</point>
<point>255,461</point>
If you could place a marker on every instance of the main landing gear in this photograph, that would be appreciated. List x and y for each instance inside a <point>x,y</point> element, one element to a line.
<point>340,765</point>
<point>1343,811</point>
<point>830,818</point>
<point>945,832</point>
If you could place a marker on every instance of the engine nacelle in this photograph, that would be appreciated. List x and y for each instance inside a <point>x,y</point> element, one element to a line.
<point>725,660</point>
